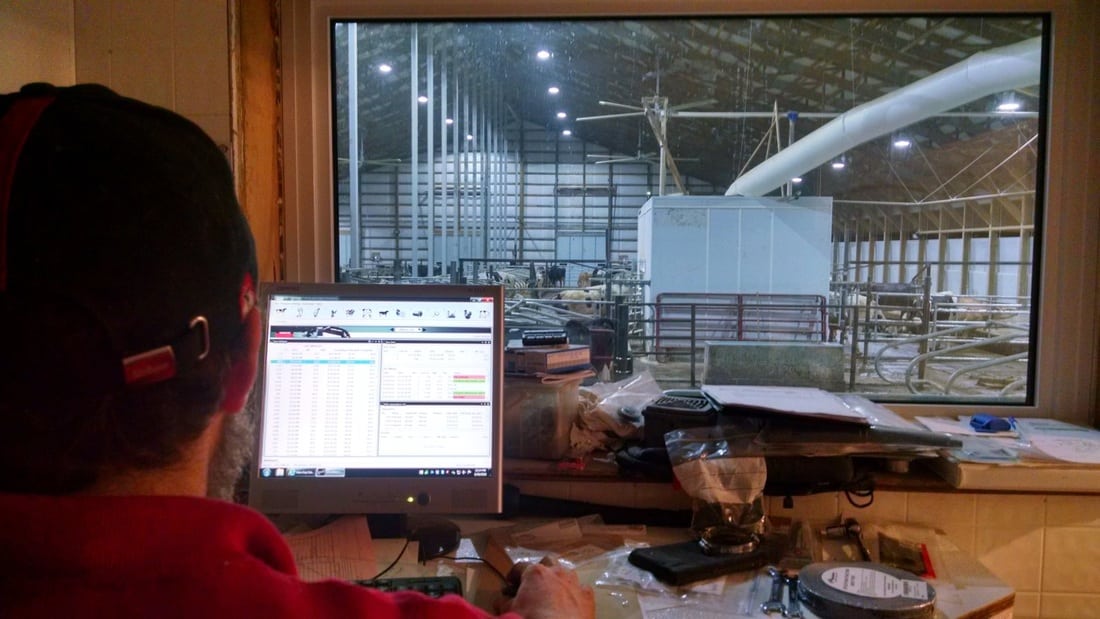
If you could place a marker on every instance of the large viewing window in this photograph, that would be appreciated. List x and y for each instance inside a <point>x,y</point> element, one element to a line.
<point>909,181</point>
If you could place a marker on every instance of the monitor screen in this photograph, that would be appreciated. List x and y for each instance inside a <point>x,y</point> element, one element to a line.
<point>379,399</point>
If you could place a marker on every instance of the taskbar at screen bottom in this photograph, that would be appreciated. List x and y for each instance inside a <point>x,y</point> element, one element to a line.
<point>340,472</point>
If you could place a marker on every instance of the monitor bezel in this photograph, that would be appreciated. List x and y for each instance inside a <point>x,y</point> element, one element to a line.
<point>381,494</point>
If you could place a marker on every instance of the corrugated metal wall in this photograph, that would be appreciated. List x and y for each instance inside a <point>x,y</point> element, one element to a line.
<point>510,205</point>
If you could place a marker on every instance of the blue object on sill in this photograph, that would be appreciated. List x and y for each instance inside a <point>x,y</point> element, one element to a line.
<point>984,422</point>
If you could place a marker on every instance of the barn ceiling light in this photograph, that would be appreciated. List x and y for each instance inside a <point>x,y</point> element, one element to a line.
<point>838,164</point>
<point>384,68</point>
<point>562,115</point>
<point>1009,106</point>
<point>902,143</point>
<point>450,121</point>
<point>422,99</point>
<point>543,54</point>
<point>566,132</point>
<point>553,90</point>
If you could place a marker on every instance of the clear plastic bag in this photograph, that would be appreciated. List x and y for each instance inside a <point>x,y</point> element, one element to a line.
<point>723,470</point>
<point>610,413</point>
<point>618,406</point>
<point>631,585</point>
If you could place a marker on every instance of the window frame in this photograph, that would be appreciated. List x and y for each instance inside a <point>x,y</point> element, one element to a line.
<point>1067,370</point>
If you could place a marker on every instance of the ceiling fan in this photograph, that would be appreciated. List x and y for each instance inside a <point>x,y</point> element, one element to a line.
<point>656,111</point>
<point>651,158</point>
<point>364,161</point>
<point>639,157</point>
<point>650,105</point>
<point>383,162</point>
<point>391,161</point>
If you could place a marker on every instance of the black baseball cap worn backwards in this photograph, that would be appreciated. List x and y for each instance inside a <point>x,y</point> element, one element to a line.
<point>124,255</point>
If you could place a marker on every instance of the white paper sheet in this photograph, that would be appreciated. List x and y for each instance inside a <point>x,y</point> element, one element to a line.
<point>803,401</point>
<point>340,549</point>
<point>1062,440</point>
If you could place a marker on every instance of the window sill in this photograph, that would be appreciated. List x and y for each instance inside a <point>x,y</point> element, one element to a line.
<point>923,476</point>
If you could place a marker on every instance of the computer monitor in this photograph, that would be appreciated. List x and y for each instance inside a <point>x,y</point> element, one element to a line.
<point>379,399</point>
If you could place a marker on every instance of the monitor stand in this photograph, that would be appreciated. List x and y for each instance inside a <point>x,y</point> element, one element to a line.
<point>435,535</point>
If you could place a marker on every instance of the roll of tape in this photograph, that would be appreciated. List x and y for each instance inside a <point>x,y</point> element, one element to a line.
<point>864,590</point>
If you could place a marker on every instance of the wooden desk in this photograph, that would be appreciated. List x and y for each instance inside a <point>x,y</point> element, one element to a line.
<point>964,588</point>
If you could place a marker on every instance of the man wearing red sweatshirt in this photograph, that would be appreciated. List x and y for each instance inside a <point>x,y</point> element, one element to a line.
<point>129,347</point>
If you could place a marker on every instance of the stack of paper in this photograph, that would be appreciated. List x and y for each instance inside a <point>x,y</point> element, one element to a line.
<point>1039,454</point>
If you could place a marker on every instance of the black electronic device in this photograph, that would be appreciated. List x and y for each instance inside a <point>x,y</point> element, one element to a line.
<point>682,563</point>
<point>434,586</point>
<point>544,337</point>
<point>434,538</point>
<point>675,409</point>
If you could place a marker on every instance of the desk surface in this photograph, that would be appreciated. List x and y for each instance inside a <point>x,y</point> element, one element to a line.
<point>964,588</point>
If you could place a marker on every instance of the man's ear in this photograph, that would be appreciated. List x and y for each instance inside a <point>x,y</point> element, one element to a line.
<point>242,372</point>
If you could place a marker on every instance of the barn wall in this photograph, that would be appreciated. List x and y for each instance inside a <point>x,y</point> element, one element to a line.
<point>524,200</point>
<point>520,202</point>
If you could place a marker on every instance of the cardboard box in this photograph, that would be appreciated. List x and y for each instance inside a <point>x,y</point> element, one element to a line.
<point>531,360</point>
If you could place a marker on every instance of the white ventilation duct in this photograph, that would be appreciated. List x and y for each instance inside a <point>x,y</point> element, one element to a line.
<point>984,73</point>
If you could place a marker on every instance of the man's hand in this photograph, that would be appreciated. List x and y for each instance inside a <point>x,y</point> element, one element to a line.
<point>551,592</point>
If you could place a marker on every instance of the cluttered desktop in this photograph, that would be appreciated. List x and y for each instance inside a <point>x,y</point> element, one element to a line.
<point>385,422</point>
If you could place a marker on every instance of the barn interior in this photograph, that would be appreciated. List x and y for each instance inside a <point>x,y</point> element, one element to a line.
<point>865,184</point>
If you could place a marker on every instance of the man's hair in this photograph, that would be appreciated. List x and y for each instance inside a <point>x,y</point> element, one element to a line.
<point>126,267</point>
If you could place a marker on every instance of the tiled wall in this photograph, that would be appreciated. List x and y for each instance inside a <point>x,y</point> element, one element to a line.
<point>1047,547</point>
<point>174,53</point>
<point>45,30</point>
